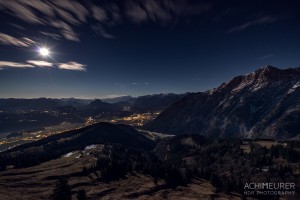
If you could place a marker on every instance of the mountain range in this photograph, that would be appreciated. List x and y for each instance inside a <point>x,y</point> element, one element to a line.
<point>147,103</point>
<point>262,104</point>
<point>27,114</point>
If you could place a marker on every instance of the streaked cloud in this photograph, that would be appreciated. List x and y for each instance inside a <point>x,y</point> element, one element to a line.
<point>41,6</point>
<point>17,26</point>
<point>99,13</point>
<point>52,35</point>
<point>65,17</point>
<point>40,63</point>
<point>73,7</point>
<point>98,29</point>
<point>72,66</point>
<point>136,12</point>
<point>267,56</point>
<point>256,21</point>
<point>28,41</point>
<point>8,64</point>
<point>10,40</point>
<point>66,30</point>
<point>22,10</point>
<point>163,12</point>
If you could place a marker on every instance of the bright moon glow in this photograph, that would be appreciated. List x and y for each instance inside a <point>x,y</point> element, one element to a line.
<point>44,51</point>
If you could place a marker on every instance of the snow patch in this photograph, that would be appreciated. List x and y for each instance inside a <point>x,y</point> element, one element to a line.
<point>68,154</point>
<point>241,86</point>
<point>90,147</point>
<point>294,87</point>
<point>257,87</point>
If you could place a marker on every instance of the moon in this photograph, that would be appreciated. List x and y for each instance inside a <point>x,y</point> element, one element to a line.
<point>44,51</point>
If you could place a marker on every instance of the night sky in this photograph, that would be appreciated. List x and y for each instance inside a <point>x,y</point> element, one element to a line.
<point>110,48</point>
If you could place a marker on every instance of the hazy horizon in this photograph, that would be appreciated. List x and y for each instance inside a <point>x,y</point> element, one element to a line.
<point>132,95</point>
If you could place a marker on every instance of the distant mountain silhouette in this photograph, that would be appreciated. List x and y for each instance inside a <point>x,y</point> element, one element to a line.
<point>265,103</point>
<point>154,103</point>
<point>103,106</point>
<point>28,104</point>
<point>26,114</point>
<point>119,99</point>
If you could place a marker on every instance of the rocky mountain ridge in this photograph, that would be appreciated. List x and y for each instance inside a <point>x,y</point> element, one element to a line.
<point>264,103</point>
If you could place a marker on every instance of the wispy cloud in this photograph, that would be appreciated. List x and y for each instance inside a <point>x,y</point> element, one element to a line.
<point>99,13</point>
<point>28,41</point>
<point>10,40</point>
<point>22,11</point>
<point>136,12</point>
<point>52,35</point>
<point>17,26</point>
<point>163,11</point>
<point>74,7</point>
<point>98,29</point>
<point>8,64</point>
<point>57,14</point>
<point>254,22</point>
<point>66,30</point>
<point>40,63</point>
<point>72,66</point>
<point>267,56</point>
<point>65,17</point>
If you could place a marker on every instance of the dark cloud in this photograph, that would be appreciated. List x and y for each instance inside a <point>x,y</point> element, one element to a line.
<point>21,10</point>
<point>39,6</point>
<point>163,11</point>
<point>65,16</point>
<point>68,17</point>
<point>74,8</point>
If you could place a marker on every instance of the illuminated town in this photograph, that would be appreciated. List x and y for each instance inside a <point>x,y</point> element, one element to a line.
<point>22,137</point>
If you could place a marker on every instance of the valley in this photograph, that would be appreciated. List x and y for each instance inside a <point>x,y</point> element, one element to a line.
<point>149,100</point>
<point>116,161</point>
<point>165,146</point>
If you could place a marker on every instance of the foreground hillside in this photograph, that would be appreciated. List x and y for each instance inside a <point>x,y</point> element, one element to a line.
<point>108,161</point>
<point>263,104</point>
<point>38,182</point>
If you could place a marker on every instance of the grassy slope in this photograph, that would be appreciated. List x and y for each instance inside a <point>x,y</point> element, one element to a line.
<point>37,182</point>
